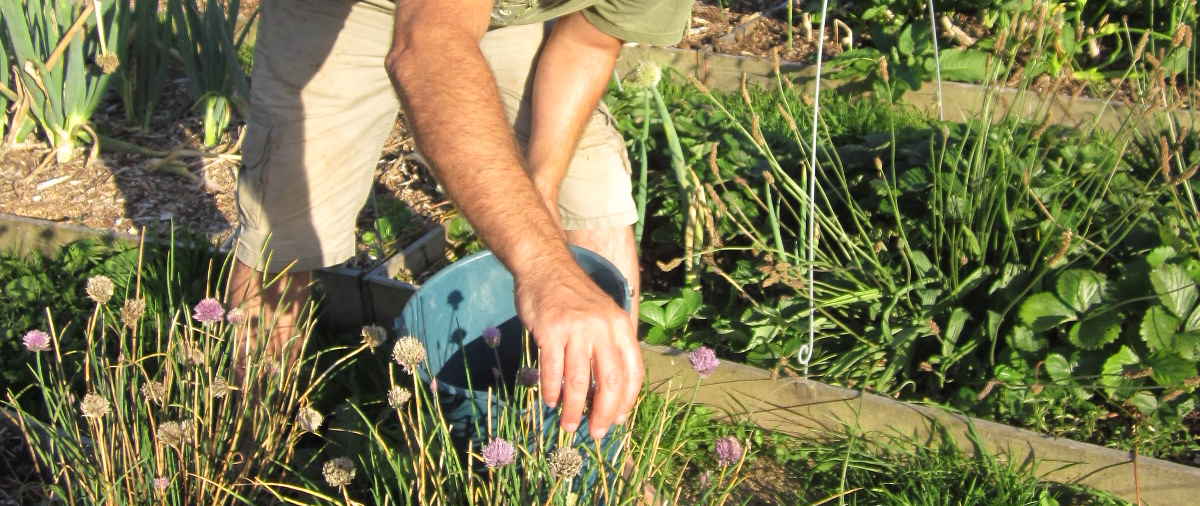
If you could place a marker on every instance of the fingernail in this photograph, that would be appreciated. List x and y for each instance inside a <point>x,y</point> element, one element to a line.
<point>570,427</point>
<point>599,434</point>
<point>622,419</point>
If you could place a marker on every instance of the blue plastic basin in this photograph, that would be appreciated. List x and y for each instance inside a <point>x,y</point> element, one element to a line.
<point>449,314</point>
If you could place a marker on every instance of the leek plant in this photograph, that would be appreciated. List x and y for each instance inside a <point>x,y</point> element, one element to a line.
<point>63,54</point>
<point>205,43</point>
<point>144,75</point>
<point>6,90</point>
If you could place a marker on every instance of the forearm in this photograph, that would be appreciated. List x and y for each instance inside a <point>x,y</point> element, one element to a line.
<point>457,120</point>
<point>572,74</point>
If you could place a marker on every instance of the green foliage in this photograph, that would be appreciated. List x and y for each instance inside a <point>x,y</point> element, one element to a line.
<point>40,289</point>
<point>911,61</point>
<point>668,316</point>
<point>950,256</point>
<point>208,46</point>
<point>143,76</point>
<point>63,72</point>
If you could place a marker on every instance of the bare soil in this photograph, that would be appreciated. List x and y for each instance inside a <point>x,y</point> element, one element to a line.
<point>128,191</point>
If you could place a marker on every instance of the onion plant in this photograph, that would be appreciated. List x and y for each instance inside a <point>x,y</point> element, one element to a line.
<point>64,54</point>
<point>205,42</point>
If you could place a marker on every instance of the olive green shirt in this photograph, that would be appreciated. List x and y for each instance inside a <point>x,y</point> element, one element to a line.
<point>658,22</point>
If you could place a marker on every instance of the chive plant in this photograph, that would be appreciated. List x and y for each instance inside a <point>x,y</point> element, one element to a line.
<point>64,54</point>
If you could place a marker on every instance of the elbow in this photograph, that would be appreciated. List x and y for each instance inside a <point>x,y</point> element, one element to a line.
<point>400,63</point>
<point>412,56</point>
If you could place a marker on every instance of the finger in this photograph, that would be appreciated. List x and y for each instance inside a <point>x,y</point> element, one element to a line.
<point>577,379</point>
<point>550,363</point>
<point>635,371</point>
<point>609,371</point>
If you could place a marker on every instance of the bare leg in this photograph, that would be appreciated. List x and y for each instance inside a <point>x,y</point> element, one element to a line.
<point>276,306</point>
<point>617,246</point>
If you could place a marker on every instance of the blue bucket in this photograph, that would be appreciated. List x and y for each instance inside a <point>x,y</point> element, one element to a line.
<point>449,314</point>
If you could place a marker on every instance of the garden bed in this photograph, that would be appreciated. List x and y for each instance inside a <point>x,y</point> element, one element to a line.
<point>741,394</point>
<point>1021,266</point>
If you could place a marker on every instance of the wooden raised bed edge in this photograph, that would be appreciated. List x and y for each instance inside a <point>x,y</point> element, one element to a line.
<point>809,408</point>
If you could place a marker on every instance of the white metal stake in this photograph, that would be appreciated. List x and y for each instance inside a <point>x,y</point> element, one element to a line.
<point>937,62</point>
<point>805,353</point>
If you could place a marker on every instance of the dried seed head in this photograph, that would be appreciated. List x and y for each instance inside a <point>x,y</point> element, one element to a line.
<point>174,434</point>
<point>1141,45</point>
<point>883,69</point>
<point>1182,33</point>
<point>155,391</point>
<point>398,397</point>
<point>338,472</point>
<point>373,336</point>
<point>565,462</point>
<point>132,311</point>
<point>408,352</point>
<point>219,388</point>
<point>191,355</point>
<point>309,420</point>
<point>644,76</point>
<point>100,289</point>
<point>108,62</point>
<point>94,406</point>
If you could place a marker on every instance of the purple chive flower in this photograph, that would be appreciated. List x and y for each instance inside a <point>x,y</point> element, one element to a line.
<point>704,360</point>
<point>491,336</point>
<point>161,484</point>
<point>235,316</point>
<point>36,340</point>
<point>209,311</point>
<point>728,450</point>
<point>499,452</point>
<point>528,376</point>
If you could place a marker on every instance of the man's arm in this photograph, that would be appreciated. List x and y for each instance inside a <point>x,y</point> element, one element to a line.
<point>572,73</point>
<point>453,106</point>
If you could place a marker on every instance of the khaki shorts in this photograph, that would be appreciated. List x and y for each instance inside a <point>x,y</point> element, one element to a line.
<point>321,107</point>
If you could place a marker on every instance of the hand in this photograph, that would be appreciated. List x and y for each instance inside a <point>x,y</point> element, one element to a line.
<point>581,334</point>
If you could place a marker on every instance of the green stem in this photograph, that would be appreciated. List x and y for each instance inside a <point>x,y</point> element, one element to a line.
<point>643,172</point>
